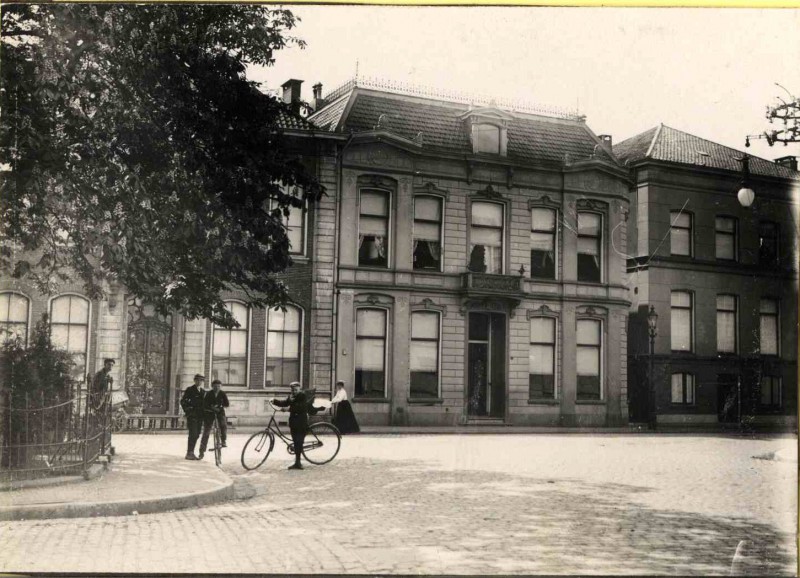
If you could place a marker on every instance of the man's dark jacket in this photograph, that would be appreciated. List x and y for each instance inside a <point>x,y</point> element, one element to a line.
<point>192,401</point>
<point>215,402</point>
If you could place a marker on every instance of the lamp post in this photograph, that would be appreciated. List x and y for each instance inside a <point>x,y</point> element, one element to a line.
<point>746,196</point>
<point>652,331</point>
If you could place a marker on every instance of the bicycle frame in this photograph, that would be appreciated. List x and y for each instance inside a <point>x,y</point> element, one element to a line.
<point>275,429</point>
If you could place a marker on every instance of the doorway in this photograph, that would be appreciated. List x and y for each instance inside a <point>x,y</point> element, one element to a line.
<point>147,359</point>
<point>486,365</point>
<point>727,398</point>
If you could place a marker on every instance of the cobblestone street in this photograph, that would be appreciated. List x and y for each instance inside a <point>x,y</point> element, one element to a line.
<point>474,504</point>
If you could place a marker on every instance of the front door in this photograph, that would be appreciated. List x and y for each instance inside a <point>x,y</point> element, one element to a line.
<point>727,398</point>
<point>486,365</point>
<point>148,354</point>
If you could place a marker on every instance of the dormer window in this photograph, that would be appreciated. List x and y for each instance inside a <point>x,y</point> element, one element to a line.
<point>486,138</point>
<point>488,130</point>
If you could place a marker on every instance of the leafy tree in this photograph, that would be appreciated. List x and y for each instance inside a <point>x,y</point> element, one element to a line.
<point>135,150</point>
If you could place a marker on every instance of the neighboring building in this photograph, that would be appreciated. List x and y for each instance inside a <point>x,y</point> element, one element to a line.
<point>478,278</point>
<point>157,356</point>
<point>722,278</point>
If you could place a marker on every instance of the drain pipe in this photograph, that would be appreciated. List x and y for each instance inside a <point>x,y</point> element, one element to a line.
<point>335,293</point>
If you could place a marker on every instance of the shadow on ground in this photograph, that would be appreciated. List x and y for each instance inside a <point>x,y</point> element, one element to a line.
<point>405,516</point>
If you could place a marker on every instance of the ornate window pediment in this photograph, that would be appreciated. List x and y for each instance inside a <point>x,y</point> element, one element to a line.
<point>542,310</point>
<point>591,205</point>
<point>374,300</point>
<point>427,304</point>
<point>591,311</point>
<point>543,201</point>
<point>489,193</point>
<point>488,130</point>
<point>431,189</point>
<point>377,181</point>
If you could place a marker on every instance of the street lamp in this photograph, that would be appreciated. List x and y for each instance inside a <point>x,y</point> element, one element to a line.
<point>652,331</point>
<point>746,194</point>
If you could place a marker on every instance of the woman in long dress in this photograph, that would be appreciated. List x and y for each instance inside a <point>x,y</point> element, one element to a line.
<point>343,417</point>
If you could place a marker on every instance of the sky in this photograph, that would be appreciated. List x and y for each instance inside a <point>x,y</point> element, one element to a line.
<point>710,72</point>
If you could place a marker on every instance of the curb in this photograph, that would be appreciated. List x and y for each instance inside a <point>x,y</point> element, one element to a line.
<point>94,471</point>
<point>119,507</point>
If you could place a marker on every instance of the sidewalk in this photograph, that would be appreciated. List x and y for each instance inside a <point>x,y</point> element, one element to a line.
<point>134,483</point>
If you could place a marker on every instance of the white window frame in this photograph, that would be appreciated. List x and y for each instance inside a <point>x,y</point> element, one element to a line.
<point>735,236</point>
<point>304,232</point>
<point>556,389</point>
<point>438,351</point>
<point>735,322</point>
<point>556,239</point>
<point>301,344</point>
<point>386,346</point>
<point>503,230</point>
<point>86,370</point>
<point>389,225</point>
<point>691,309</point>
<point>27,321</point>
<point>777,317</point>
<point>442,202</point>
<point>673,215</point>
<point>601,353</point>
<point>248,342</point>
<point>685,383</point>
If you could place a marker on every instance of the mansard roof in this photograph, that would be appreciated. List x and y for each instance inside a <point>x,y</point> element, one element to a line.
<point>664,143</point>
<point>439,125</point>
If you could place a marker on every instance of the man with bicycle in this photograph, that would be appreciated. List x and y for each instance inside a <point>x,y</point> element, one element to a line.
<point>214,404</point>
<point>298,404</point>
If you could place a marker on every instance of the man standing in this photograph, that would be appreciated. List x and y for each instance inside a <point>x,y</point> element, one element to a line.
<point>299,405</point>
<point>192,404</point>
<point>214,404</point>
<point>102,382</point>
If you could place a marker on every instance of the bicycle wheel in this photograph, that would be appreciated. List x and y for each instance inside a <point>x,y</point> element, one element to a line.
<point>322,443</point>
<point>257,449</point>
<point>217,447</point>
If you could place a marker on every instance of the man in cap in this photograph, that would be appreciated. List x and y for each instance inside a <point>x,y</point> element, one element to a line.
<point>214,405</point>
<point>102,382</point>
<point>299,404</point>
<point>192,404</point>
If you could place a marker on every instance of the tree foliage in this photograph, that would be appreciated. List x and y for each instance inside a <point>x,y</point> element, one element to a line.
<point>135,151</point>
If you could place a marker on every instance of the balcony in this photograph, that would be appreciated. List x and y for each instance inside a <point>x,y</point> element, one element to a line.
<point>488,284</point>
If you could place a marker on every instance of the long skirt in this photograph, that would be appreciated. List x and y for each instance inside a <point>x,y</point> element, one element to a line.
<point>345,419</point>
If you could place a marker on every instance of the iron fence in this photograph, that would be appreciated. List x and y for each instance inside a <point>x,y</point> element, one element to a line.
<point>45,437</point>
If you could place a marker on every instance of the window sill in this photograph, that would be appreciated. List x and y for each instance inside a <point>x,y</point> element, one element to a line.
<point>543,279</point>
<point>544,401</point>
<point>591,283</point>
<point>682,353</point>
<point>590,402</point>
<point>425,401</point>
<point>374,267</point>
<point>370,400</point>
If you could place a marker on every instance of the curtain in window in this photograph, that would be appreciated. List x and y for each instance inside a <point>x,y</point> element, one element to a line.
<point>541,359</point>
<point>588,358</point>
<point>726,323</point>
<point>370,354</point>
<point>681,321</point>
<point>424,354</point>
<point>768,327</point>
<point>69,329</point>
<point>13,317</point>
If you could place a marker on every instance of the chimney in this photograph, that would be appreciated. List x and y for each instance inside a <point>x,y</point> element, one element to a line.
<point>291,93</point>
<point>318,101</point>
<point>606,140</point>
<point>789,162</point>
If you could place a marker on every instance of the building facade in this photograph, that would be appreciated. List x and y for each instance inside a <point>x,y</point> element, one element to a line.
<point>721,277</point>
<point>476,277</point>
<point>157,356</point>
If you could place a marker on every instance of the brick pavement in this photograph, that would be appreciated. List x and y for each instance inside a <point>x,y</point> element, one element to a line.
<point>429,505</point>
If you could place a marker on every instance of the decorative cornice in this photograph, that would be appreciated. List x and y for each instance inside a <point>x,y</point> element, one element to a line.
<point>591,311</point>
<point>431,189</point>
<point>489,193</point>
<point>591,205</point>
<point>374,299</point>
<point>427,304</point>
<point>377,181</point>
<point>543,201</point>
<point>542,311</point>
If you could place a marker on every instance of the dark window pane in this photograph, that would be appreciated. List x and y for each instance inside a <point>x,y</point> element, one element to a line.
<point>541,386</point>
<point>424,384</point>
<point>543,264</point>
<point>372,251</point>
<point>427,255</point>
<point>369,383</point>
<point>588,387</point>
<point>588,268</point>
<point>478,327</point>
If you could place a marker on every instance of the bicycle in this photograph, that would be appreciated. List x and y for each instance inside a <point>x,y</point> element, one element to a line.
<point>217,443</point>
<point>321,445</point>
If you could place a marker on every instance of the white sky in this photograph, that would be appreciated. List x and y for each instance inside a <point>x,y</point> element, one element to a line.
<point>710,72</point>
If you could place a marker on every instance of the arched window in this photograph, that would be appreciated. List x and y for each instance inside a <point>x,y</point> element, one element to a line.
<point>14,316</point>
<point>229,357</point>
<point>284,343</point>
<point>69,329</point>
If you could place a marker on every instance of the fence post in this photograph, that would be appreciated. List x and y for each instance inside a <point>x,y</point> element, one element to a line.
<point>87,406</point>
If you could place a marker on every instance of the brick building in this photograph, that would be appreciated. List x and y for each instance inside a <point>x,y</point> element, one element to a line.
<point>722,278</point>
<point>477,278</point>
<point>157,356</point>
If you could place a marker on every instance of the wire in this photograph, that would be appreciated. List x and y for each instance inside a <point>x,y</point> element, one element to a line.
<point>664,238</point>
